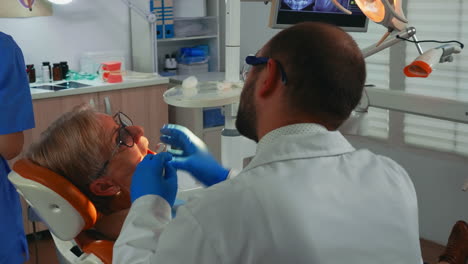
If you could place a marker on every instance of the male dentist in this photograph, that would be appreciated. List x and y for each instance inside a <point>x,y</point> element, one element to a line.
<point>306,197</point>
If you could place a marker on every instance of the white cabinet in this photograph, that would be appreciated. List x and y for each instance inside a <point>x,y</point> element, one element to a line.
<point>142,46</point>
<point>192,118</point>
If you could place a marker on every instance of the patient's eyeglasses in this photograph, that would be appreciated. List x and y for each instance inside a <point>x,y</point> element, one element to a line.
<point>252,60</point>
<point>124,138</point>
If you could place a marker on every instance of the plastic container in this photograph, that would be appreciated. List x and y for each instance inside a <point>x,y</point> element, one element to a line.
<point>195,26</point>
<point>196,54</point>
<point>189,8</point>
<point>212,117</point>
<point>111,72</point>
<point>191,69</point>
<point>45,78</point>
<point>45,73</point>
<point>91,61</point>
<point>193,60</point>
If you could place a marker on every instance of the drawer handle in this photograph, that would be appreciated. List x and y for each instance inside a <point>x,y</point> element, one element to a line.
<point>107,103</point>
<point>91,103</point>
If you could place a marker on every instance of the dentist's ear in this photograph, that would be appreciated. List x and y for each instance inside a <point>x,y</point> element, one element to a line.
<point>272,77</point>
<point>104,187</point>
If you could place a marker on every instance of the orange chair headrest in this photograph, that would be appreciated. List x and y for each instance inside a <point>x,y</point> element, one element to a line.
<point>61,186</point>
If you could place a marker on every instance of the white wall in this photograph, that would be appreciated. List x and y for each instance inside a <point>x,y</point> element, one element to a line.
<point>437,176</point>
<point>82,26</point>
<point>254,28</point>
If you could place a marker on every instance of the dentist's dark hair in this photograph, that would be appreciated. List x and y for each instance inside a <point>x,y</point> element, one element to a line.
<point>325,68</point>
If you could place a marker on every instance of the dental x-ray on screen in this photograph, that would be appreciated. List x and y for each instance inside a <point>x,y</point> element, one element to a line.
<point>285,13</point>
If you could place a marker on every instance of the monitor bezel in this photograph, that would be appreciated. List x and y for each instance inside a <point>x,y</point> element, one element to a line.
<point>274,16</point>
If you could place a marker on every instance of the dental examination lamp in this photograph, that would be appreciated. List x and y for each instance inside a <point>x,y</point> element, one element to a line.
<point>389,13</point>
<point>422,66</point>
<point>29,3</point>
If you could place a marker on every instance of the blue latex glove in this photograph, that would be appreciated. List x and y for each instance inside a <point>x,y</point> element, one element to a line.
<point>154,175</point>
<point>195,157</point>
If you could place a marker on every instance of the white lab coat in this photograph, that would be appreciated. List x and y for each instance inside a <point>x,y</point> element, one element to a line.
<point>307,197</point>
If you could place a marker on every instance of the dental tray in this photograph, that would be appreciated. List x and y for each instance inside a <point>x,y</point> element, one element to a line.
<point>208,95</point>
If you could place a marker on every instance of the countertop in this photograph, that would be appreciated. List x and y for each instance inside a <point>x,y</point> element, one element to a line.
<point>95,86</point>
<point>98,85</point>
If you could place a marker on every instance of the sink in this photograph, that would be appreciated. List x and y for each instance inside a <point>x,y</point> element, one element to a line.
<point>71,84</point>
<point>49,87</point>
<point>60,86</point>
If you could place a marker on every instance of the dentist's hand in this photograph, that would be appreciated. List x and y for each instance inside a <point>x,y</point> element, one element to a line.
<point>154,175</point>
<point>195,157</point>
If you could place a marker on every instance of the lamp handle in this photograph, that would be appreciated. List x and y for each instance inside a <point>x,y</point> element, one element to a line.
<point>107,105</point>
<point>392,10</point>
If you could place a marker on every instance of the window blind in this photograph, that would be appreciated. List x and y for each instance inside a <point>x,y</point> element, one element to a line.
<point>448,80</point>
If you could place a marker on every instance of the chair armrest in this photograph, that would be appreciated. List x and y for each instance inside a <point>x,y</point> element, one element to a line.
<point>101,249</point>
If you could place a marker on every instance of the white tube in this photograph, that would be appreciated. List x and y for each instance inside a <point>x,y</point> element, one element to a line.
<point>232,64</point>
<point>232,40</point>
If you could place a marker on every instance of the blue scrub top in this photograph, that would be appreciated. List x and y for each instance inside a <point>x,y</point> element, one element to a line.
<point>16,114</point>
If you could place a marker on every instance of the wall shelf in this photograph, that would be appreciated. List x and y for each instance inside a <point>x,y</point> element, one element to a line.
<point>188,32</point>
<point>187,38</point>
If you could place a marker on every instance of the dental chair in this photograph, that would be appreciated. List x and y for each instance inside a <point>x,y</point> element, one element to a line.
<point>65,210</point>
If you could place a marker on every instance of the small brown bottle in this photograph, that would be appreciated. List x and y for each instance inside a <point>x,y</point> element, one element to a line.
<point>31,71</point>
<point>57,72</point>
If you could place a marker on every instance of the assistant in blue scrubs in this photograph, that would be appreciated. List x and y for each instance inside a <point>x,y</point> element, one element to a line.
<point>16,115</point>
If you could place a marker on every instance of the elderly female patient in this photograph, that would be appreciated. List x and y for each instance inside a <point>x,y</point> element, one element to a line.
<point>98,153</point>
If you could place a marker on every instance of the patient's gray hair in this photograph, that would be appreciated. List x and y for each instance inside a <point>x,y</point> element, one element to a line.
<point>74,147</point>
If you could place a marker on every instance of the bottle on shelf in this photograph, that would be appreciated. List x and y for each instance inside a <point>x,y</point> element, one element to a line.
<point>31,71</point>
<point>167,63</point>
<point>57,72</point>
<point>174,62</point>
<point>64,68</point>
<point>46,72</point>
<point>169,67</point>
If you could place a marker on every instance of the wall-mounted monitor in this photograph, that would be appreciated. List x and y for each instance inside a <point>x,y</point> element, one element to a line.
<point>285,13</point>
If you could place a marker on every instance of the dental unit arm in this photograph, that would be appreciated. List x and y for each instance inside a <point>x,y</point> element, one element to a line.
<point>389,13</point>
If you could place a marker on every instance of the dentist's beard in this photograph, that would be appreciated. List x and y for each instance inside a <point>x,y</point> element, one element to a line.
<point>246,122</point>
